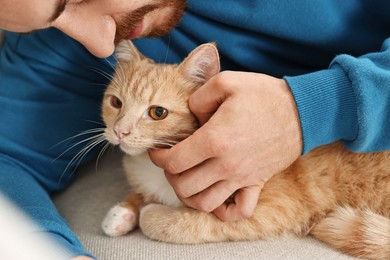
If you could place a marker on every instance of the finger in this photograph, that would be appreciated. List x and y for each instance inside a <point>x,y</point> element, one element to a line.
<point>211,198</point>
<point>206,100</point>
<point>196,179</point>
<point>184,155</point>
<point>245,202</point>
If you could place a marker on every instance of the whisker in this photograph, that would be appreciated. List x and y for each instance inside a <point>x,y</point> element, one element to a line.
<point>169,143</point>
<point>99,84</point>
<point>96,122</point>
<point>90,131</point>
<point>110,77</point>
<point>87,148</point>
<point>105,74</point>
<point>110,63</point>
<point>102,151</point>
<point>167,51</point>
<point>81,154</point>
<point>120,73</point>
<point>78,143</point>
<point>115,83</point>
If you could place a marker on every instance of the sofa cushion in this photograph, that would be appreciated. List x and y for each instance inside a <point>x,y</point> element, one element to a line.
<point>98,188</point>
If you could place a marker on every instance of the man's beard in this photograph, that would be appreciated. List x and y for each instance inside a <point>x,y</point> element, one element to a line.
<point>129,22</point>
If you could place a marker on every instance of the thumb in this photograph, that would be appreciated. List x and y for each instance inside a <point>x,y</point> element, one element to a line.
<point>245,202</point>
<point>205,101</point>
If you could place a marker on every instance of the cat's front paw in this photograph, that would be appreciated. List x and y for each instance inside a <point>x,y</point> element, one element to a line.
<point>119,221</point>
<point>154,221</point>
<point>168,224</point>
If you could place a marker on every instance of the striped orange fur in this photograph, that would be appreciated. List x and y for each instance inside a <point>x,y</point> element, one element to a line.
<point>339,197</point>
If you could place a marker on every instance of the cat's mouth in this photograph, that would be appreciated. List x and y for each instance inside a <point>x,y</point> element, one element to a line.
<point>138,150</point>
<point>131,150</point>
<point>125,147</point>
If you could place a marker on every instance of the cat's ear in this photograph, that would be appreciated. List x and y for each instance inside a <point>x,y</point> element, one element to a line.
<point>125,51</point>
<point>202,63</point>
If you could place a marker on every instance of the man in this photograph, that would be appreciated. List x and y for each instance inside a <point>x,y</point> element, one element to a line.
<point>95,24</point>
<point>50,91</point>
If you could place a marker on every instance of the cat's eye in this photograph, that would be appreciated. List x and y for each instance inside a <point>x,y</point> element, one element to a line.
<point>115,102</point>
<point>158,113</point>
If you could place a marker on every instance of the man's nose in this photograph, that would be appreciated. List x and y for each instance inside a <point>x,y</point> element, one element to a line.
<point>95,32</point>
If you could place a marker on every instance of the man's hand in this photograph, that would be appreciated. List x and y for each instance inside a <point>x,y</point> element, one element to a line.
<point>250,131</point>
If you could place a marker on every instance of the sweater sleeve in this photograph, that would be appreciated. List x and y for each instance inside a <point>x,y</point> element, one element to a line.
<point>349,101</point>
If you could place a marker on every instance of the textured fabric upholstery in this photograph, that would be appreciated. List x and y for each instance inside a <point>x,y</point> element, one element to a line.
<point>97,189</point>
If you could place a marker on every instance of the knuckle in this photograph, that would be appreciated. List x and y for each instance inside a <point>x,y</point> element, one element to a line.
<point>171,167</point>
<point>242,179</point>
<point>222,216</point>
<point>207,208</point>
<point>230,171</point>
<point>181,192</point>
<point>178,186</point>
<point>246,212</point>
<point>217,143</point>
<point>233,169</point>
<point>222,80</point>
<point>203,206</point>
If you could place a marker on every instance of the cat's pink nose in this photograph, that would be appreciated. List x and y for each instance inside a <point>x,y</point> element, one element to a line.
<point>120,133</point>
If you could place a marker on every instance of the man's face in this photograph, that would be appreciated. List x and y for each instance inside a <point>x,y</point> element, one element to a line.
<point>97,24</point>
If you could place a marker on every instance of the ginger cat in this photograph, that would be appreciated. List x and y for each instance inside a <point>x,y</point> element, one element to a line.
<point>339,197</point>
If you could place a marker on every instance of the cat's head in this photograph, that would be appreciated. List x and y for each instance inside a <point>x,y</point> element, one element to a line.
<point>146,104</point>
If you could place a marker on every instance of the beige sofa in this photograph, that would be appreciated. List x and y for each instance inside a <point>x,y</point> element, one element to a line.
<point>99,186</point>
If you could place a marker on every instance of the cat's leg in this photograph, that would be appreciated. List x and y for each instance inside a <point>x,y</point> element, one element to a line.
<point>188,226</point>
<point>123,217</point>
<point>177,225</point>
<point>185,225</point>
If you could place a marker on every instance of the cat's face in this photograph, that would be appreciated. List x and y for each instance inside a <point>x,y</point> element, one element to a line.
<point>146,104</point>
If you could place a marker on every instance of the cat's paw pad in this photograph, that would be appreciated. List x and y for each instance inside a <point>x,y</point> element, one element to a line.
<point>119,221</point>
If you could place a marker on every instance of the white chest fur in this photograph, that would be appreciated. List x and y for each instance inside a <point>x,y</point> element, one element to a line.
<point>144,176</point>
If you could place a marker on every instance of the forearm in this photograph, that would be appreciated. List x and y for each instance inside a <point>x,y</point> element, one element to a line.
<point>349,101</point>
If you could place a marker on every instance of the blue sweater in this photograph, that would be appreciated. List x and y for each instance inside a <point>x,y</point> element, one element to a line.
<point>334,54</point>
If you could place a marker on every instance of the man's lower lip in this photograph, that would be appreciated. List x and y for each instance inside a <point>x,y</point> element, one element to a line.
<point>137,31</point>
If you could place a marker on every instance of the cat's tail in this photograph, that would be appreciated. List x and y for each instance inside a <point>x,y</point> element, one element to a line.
<point>360,233</point>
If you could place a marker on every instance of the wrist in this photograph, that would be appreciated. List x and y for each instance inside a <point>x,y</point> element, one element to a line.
<point>326,105</point>
<point>293,121</point>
